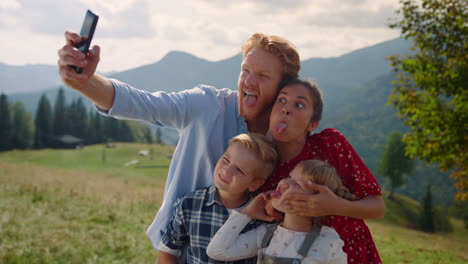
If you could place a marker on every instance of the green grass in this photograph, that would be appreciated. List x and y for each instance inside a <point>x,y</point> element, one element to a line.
<point>98,158</point>
<point>68,206</point>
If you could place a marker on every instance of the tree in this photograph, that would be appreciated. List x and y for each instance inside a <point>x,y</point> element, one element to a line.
<point>43,123</point>
<point>427,214</point>
<point>158,135</point>
<point>5,124</point>
<point>395,164</point>
<point>148,136</point>
<point>77,119</point>
<point>431,88</point>
<point>22,125</point>
<point>60,108</point>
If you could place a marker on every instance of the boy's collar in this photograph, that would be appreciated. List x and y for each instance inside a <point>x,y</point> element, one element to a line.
<point>212,197</point>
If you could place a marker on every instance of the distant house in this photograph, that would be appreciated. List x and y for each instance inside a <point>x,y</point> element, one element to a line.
<point>66,142</point>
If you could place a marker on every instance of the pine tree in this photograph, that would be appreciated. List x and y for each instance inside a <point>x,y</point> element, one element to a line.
<point>98,127</point>
<point>77,119</point>
<point>111,129</point>
<point>22,125</point>
<point>5,124</point>
<point>395,164</point>
<point>125,133</point>
<point>43,123</point>
<point>158,136</point>
<point>60,108</point>
<point>427,214</point>
<point>148,136</point>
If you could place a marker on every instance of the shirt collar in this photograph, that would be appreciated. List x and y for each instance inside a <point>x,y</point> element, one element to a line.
<point>212,197</point>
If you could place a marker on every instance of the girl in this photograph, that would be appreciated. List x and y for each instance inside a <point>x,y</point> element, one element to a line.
<point>297,239</point>
<point>295,115</point>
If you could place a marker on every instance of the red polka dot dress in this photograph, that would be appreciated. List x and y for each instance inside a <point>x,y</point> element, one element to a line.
<point>331,146</point>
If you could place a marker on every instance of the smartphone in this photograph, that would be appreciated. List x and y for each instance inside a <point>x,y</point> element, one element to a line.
<point>87,32</point>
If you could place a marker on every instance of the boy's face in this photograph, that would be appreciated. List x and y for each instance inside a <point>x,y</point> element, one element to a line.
<point>261,73</point>
<point>291,115</point>
<point>235,170</point>
<point>295,183</point>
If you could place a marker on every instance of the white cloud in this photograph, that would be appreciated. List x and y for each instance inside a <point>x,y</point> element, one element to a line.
<point>9,4</point>
<point>136,32</point>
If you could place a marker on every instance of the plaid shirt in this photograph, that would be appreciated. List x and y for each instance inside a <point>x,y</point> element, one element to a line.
<point>197,217</point>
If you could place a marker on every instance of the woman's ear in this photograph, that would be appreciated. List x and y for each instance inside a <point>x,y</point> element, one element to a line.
<point>312,126</point>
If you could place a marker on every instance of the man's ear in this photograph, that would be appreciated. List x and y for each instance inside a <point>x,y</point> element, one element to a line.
<point>257,183</point>
<point>312,126</point>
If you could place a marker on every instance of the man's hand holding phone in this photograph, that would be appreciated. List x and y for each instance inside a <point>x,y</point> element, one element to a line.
<point>77,63</point>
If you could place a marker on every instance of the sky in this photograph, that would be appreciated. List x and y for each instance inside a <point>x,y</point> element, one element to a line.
<point>133,33</point>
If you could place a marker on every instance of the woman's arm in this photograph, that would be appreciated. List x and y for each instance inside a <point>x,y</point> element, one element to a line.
<point>325,202</point>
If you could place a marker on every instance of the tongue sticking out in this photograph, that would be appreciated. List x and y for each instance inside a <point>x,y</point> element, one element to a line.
<point>250,100</point>
<point>280,127</point>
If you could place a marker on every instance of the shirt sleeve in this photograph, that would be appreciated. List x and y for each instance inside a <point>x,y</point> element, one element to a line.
<point>327,248</point>
<point>175,237</point>
<point>229,244</point>
<point>172,110</point>
<point>354,174</point>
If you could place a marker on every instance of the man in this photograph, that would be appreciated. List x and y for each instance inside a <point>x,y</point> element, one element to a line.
<point>205,117</point>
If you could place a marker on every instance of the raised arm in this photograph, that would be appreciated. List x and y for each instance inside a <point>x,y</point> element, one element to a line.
<point>96,88</point>
<point>228,244</point>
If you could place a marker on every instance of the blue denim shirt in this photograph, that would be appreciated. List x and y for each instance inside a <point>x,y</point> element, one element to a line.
<point>206,119</point>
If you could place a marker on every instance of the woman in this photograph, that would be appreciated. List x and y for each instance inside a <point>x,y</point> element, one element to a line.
<point>295,115</point>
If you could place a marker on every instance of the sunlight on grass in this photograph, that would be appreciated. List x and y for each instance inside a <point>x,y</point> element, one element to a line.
<point>402,245</point>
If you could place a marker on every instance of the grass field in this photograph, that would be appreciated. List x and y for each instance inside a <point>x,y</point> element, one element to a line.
<point>83,206</point>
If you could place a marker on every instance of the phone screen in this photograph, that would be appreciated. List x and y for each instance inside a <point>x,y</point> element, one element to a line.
<point>87,31</point>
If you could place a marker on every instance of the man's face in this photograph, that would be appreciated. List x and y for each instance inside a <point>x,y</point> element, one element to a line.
<point>235,171</point>
<point>260,76</point>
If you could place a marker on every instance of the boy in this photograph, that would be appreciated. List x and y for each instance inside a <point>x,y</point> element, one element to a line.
<point>248,160</point>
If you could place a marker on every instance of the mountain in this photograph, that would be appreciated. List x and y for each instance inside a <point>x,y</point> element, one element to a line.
<point>337,76</point>
<point>39,77</point>
<point>356,67</point>
<point>31,99</point>
<point>363,116</point>
<point>179,71</point>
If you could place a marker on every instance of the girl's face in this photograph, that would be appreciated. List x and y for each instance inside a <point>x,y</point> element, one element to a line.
<point>291,115</point>
<point>295,183</point>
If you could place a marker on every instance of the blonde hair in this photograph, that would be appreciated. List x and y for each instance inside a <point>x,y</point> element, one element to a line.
<point>263,148</point>
<point>278,46</point>
<point>320,172</point>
